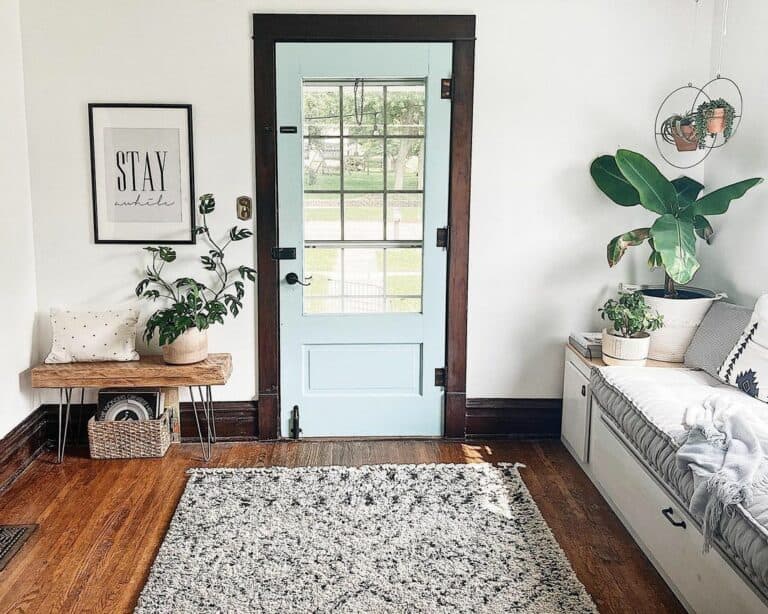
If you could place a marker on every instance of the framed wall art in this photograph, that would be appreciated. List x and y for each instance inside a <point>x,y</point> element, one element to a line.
<point>142,173</point>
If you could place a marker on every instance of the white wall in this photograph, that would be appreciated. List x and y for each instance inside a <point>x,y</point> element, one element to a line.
<point>736,261</point>
<point>17,324</point>
<point>557,83</point>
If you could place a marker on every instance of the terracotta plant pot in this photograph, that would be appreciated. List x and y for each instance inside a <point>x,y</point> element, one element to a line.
<point>188,348</point>
<point>685,138</point>
<point>716,121</point>
<point>625,351</point>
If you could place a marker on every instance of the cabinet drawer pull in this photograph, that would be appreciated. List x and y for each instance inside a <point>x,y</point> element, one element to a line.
<point>583,391</point>
<point>667,512</point>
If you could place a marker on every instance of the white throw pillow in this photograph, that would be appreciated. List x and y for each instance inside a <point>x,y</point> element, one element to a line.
<point>746,366</point>
<point>93,336</point>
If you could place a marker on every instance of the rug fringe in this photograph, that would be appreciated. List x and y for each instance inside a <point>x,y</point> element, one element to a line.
<point>233,470</point>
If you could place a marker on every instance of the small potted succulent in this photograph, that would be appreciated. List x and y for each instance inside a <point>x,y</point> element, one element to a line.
<point>192,306</point>
<point>713,117</point>
<point>680,130</point>
<point>628,341</point>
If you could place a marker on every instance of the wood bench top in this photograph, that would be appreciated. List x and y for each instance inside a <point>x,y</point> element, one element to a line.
<point>598,362</point>
<point>149,371</point>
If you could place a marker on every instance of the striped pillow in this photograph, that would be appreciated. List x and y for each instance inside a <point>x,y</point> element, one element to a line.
<point>718,332</point>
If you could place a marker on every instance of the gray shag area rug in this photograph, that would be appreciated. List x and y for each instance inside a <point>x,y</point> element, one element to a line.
<point>379,538</point>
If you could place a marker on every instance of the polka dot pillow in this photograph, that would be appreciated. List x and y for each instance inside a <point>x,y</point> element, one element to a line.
<point>93,336</point>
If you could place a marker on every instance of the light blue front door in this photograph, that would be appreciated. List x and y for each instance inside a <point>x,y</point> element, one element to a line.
<point>363,151</point>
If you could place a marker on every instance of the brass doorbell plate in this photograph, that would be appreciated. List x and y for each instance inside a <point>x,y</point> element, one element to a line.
<point>244,208</point>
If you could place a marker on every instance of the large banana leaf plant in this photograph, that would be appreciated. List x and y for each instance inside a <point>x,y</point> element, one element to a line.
<point>630,179</point>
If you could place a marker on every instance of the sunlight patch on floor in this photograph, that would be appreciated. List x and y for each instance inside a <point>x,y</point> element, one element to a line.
<point>478,453</point>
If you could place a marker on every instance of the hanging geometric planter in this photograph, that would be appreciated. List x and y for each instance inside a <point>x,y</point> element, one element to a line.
<point>692,121</point>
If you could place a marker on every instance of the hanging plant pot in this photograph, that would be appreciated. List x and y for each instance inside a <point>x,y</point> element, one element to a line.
<point>685,138</point>
<point>712,118</point>
<point>716,121</point>
<point>679,129</point>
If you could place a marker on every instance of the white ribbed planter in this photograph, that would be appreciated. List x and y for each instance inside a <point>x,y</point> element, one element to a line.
<point>625,351</point>
<point>188,348</point>
<point>682,317</point>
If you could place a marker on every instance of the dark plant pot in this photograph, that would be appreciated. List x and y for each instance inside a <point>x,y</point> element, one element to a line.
<point>683,292</point>
<point>685,138</point>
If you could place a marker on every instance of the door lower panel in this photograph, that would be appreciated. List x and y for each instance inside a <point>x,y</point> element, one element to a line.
<point>362,369</point>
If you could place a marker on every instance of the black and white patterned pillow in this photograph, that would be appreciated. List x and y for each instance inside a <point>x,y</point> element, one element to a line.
<point>746,367</point>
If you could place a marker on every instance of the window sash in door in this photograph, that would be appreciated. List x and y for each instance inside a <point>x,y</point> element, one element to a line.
<point>363,195</point>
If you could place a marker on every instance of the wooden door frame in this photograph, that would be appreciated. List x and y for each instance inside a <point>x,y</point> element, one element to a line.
<point>269,29</point>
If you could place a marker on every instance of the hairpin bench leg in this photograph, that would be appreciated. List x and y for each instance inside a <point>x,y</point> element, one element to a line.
<point>205,444</point>
<point>58,439</point>
<point>209,396</point>
<point>64,393</point>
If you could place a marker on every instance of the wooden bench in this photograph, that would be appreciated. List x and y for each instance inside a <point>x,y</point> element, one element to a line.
<point>150,371</point>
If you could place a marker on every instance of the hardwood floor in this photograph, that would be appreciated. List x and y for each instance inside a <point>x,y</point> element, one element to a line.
<point>101,522</point>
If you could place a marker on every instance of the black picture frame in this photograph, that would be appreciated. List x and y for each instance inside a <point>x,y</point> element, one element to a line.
<point>94,190</point>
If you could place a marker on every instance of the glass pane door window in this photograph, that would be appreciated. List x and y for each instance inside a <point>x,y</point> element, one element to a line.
<point>363,195</point>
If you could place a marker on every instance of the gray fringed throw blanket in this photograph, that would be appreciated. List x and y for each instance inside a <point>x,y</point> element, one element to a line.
<point>723,447</point>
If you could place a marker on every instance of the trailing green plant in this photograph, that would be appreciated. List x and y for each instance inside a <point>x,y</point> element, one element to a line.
<point>674,122</point>
<point>191,303</point>
<point>630,179</point>
<point>630,316</point>
<point>705,111</point>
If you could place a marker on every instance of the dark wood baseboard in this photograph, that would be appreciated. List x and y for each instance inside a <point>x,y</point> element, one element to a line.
<point>20,447</point>
<point>513,418</point>
<point>235,421</point>
<point>77,431</point>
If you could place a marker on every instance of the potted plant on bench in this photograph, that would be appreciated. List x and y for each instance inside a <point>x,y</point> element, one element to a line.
<point>627,343</point>
<point>193,306</point>
<point>630,179</point>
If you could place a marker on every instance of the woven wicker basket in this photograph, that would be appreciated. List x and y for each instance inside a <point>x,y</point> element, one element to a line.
<point>130,438</point>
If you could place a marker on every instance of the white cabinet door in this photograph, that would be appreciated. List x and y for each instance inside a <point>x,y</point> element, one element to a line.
<point>664,530</point>
<point>575,423</point>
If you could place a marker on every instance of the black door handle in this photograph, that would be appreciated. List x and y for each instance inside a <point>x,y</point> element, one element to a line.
<point>583,391</point>
<point>292,279</point>
<point>667,512</point>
